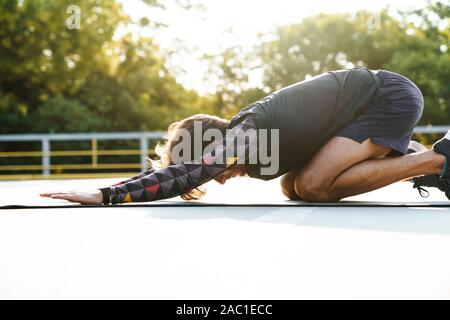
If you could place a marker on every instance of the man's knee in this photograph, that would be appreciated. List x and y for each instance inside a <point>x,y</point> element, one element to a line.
<point>287,185</point>
<point>290,193</point>
<point>313,190</point>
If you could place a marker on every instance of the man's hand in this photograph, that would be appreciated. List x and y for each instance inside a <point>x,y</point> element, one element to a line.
<point>83,197</point>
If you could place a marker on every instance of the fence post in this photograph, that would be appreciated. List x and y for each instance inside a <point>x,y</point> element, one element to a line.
<point>45,157</point>
<point>144,151</point>
<point>94,152</point>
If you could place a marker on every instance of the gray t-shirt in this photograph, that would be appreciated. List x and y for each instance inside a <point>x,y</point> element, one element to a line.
<point>309,112</point>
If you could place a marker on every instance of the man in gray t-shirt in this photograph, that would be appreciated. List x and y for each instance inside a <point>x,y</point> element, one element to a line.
<point>309,113</point>
<point>335,128</point>
<point>335,133</point>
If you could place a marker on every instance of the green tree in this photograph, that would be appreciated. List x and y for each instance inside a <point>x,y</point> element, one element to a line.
<point>230,70</point>
<point>425,58</point>
<point>62,115</point>
<point>51,71</point>
<point>337,41</point>
<point>41,57</point>
<point>330,42</point>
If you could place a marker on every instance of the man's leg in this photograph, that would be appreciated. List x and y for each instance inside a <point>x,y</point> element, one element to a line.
<point>343,168</point>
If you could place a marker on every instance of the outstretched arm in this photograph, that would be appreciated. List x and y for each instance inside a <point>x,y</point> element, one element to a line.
<point>176,179</point>
<point>89,197</point>
<point>173,180</point>
<point>140,175</point>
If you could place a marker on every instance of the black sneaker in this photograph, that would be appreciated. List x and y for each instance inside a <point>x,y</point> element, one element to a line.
<point>431,180</point>
<point>443,147</point>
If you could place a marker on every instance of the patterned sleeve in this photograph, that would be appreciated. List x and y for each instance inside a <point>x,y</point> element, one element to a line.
<point>177,179</point>
<point>141,175</point>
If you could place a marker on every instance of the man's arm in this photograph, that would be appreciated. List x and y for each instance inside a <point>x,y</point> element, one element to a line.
<point>141,175</point>
<point>177,179</point>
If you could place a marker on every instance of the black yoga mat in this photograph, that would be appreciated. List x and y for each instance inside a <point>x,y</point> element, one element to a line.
<point>176,204</point>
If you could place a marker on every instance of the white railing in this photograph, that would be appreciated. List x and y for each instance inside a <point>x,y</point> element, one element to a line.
<point>45,139</point>
<point>431,129</point>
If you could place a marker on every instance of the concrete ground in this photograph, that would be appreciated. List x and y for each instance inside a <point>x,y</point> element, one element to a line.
<point>291,252</point>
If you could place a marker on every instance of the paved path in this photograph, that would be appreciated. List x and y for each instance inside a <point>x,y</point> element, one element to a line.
<point>223,252</point>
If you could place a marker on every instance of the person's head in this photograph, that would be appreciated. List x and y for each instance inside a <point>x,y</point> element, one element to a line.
<point>174,136</point>
<point>237,170</point>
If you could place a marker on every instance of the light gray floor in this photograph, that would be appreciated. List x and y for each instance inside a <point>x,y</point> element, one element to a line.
<point>223,252</point>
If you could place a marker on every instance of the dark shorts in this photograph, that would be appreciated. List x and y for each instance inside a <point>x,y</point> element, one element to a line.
<point>390,117</point>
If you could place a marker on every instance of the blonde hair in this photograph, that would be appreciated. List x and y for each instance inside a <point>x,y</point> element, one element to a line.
<point>164,151</point>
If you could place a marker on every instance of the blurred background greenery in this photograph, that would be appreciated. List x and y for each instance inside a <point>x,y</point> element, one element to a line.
<point>101,74</point>
<point>57,79</point>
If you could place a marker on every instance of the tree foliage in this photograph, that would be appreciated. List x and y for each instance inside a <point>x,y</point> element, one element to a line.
<point>59,79</point>
<point>337,41</point>
<point>55,78</point>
